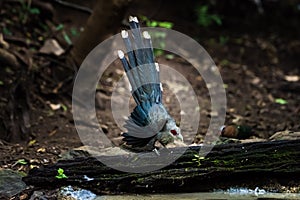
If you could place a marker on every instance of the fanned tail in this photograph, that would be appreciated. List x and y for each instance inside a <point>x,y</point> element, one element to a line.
<point>141,69</point>
<point>143,75</point>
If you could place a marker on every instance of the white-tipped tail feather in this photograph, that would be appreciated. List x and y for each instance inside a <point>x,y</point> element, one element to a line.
<point>124,34</point>
<point>157,67</point>
<point>120,54</point>
<point>133,19</point>
<point>146,35</point>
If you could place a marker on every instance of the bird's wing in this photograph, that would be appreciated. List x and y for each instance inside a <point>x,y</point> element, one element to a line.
<point>146,122</point>
<point>139,131</point>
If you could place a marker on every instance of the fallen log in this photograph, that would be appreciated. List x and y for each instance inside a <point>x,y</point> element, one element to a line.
<point>259,164</point>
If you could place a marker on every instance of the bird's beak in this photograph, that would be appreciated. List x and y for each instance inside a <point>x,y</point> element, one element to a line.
<point>179,136</point>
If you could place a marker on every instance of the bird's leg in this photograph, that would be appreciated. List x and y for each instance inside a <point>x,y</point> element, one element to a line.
<point>156,151</point>
<point>164,148</point>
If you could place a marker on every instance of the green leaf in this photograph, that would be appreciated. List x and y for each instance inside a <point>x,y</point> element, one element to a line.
<point>280,101</point>
<point>60,174</point>
<point>203,9</point>
<point>169,56</point>
<point>158,52</point>
<point>205,18</point>
<point>22,161</point>
<point>217,19</point>
<point>64,107</point>
<point>1,83</point>
<point>6,31</point>
<point>67,38</point>
<point>168,25</point>
<point>143,18</point>
<point>153,23</point>
<point>34,11</point>
<point>60,171</point>
<point>74,32</point>
<point>59,27</point>
<point>31,142</point>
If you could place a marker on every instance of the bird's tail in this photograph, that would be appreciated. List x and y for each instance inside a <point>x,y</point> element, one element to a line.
<point>141,69</point>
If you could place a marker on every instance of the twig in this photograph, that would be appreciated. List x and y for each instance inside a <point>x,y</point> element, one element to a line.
<point>75,6</point>
<point>21,41</point>
<point>8,58</point>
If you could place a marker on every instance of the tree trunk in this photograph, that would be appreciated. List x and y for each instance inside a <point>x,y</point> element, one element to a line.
<point>105,20</point>
<point>260,164</point>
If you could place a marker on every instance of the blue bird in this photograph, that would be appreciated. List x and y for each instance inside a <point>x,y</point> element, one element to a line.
<point>149,122</point>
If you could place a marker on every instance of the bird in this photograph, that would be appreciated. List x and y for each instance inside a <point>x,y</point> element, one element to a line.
<point>236,131</point>
<point>149,122</point>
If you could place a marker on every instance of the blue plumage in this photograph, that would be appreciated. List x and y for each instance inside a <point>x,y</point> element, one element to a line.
<point>149,120</point>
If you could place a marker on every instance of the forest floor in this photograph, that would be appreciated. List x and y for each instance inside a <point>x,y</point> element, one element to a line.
<point>260,70</point>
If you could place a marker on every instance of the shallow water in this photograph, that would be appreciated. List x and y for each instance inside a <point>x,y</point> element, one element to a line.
<point>230,194</point>
<point>204,196</point>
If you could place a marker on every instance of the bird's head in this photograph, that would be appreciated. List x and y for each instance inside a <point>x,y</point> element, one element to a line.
<point>176,133</point>
<point>170,133</point>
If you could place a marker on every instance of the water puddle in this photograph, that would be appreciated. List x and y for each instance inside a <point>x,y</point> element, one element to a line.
<point>230,194</point>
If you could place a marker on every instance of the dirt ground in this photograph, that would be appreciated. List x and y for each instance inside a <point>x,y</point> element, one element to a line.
<point>260,70</point>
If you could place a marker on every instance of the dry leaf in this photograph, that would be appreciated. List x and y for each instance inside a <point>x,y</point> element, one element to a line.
<point>54,106</point>
<point>51,46</point>
<point>292,78</point>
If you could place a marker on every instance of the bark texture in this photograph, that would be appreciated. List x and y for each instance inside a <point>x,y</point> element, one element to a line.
<point>261,164</point>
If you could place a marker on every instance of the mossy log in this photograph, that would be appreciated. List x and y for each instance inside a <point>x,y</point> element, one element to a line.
<point>259,164</point>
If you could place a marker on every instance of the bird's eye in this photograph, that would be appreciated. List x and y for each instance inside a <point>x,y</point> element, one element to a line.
<point>174,132</point>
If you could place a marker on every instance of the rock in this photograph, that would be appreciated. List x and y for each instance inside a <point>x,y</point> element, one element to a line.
<point>37,195</point>
<point>11,182</point>
<point>86,151</point>
<point>285,135</point>
<point>44,195</point>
